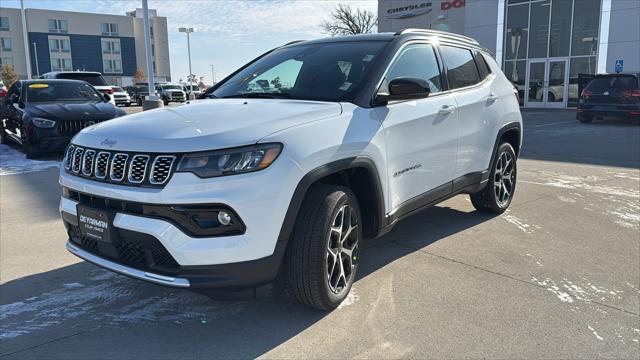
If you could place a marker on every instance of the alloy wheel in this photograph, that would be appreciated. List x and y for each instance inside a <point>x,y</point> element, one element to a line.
<point>504,178</point>
<point>342,249</point>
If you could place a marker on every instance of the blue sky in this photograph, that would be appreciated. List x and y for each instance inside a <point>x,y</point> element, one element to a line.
<point>228,33</point>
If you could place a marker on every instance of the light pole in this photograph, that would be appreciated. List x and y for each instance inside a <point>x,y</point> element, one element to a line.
<point>25,39</point>
<point>213,76</point>
<point>35,56</point>
<point>151,101</point>
<point>189,31</point>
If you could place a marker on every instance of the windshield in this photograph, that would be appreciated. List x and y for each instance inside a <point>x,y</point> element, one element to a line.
<point>171,87</point>
<point>117,89</point>
<point>192,87</point>
<point>62,92</point>
<point>143,88</point>
<point>93,79</point>
<point>326,72</point>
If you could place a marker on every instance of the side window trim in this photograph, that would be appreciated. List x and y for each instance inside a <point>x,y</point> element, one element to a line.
<point>395,56</point>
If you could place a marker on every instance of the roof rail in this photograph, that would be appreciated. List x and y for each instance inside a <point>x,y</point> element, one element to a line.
<point>293,42</point>
<point>442,34</point>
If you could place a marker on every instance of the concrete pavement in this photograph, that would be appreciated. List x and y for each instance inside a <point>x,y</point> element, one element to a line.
<point>557,276</point>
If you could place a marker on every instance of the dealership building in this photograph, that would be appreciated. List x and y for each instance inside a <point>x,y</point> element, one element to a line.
<point>547,48</point>
<point>64,41</point>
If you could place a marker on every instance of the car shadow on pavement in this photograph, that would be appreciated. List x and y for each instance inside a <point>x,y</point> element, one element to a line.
<point>81,311</point>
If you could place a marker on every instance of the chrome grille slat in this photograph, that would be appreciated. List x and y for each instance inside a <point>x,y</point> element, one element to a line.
<point>138,168</point>
<point>102,164</point>
<point>77,159</point>
<point>68,156</point>
<point>118,167</point>
<point>161,169</point>
<point>87,162</point>
<point>123,168</point>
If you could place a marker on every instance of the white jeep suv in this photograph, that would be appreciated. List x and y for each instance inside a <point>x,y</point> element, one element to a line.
<point>296,157</point>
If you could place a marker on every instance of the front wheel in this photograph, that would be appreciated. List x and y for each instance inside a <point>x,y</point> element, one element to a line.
<point>496,196</point>
<point>323,252</point>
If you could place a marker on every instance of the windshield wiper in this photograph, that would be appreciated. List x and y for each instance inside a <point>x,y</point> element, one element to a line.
<point>259,96</point>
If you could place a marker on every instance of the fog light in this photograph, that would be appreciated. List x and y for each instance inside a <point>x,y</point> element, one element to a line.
<point>224,218</point>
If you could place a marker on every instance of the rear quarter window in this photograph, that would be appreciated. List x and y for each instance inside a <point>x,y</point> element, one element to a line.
<point>461,67</point>
<point>621,82</point>
<point>483,67</point>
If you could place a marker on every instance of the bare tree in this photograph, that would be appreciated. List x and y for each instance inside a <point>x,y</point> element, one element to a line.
<point>139,77</point>
<point>8,75</point>
<point>346,21</point>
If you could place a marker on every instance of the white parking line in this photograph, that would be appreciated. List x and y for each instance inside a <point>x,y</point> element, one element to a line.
<point>555,123</point>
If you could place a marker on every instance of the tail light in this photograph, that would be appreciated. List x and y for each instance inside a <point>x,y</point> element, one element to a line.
<point>3,93</point>
<point>586,93</point>
<point>631,93</point>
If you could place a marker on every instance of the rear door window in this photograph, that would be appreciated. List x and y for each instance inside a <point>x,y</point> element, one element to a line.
<point>601,84</point>
<point>483,68</point>
<point>461,67</point>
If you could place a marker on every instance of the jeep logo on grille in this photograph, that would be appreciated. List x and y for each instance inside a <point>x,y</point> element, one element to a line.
<point>108,142</point>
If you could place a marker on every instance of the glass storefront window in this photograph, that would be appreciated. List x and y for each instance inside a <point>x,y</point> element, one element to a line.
<point>578,66</point>
<point>586,18</point>
<point>516,72</point>
<point>539,29</point>
<point>560,28</point>
<point>516,35</point>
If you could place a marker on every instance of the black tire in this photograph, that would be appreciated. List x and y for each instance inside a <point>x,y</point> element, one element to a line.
<point>309,261</point>
<point>494,200</point>
<point>127,104</point>
<point>551,97</point>
<point>586,119</point>
<point>165,101</point>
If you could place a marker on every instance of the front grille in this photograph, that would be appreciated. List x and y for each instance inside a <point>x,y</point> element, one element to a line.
<point>70,127</point>
<point>134,169</point>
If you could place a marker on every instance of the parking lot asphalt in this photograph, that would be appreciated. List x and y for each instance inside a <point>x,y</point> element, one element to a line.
<point>556,276</point>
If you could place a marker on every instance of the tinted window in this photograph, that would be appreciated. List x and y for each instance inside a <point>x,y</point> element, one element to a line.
<point>117,89</point>
<point>461,68</point>
<point>483,68</point>
<point>61,92</point>
<point>93,79</point>
<point>602,83</point>
<point>417,61</point>
<point>322,71</point>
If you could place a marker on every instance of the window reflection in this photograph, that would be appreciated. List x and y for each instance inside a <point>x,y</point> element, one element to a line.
<point>516,32</point>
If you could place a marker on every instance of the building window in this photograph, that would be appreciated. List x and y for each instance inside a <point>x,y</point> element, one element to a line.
<point>153,50</point>
<point>560,28</point>
<point>151,31</point>
<point>110,29</point>
<point>517,32</point>
<point>586,19</point>
<point>6,43</point>
<point>4,23</point>
<point>154,68</point>
<point>539,29</point>
<point>6,61</point>
<point>59,45</point>
<point>61,65</point>
<point>111,46</point>
<point>112,66</point>
<point>58,26</point>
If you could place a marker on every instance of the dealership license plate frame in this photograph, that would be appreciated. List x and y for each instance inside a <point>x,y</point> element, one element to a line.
<point>95,230</point>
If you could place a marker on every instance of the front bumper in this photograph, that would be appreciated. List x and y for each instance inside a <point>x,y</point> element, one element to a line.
<point>239,261</point>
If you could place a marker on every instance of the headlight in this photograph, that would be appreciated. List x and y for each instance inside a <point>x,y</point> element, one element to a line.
<point>230,161</point>
<point>43,123</point>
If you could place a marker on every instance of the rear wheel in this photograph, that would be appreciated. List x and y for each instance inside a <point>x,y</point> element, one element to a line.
<point>496,196</point>
<point>586,118</point>
<point>3,135</point>
<point>323,251</point>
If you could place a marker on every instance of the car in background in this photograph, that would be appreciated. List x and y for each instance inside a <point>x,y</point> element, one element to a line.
<point>94,78</point>
<point>192,89</point>
<point>43,115</point>
<point>121,97</point>
<point>610,95</point>
<point>171,93</point>
<point>137,93</point>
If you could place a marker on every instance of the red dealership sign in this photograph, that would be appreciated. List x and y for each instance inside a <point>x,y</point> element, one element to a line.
<point>446,5</point>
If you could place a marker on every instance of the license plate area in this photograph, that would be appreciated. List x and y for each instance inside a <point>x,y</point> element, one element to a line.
<point>95,224</point>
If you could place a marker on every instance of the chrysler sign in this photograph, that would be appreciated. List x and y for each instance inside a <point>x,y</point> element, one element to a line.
<point>409,11</point>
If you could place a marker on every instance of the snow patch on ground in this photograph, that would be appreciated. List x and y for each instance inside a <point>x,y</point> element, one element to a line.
<point>14,162</point>
<point>351,299</point>
<point>595,333</point>
<point>519,223</point>
<point>108,299</point>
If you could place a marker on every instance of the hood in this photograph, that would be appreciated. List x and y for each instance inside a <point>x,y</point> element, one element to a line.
<point>83,111</point>
<point>204,125</point>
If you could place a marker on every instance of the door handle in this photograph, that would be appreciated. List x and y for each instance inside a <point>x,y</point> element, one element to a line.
<point>492,98</point>
<point>446,110</point>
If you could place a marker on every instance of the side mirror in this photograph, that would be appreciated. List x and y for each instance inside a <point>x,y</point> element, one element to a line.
<point>404,88</point>
<point>107,97</point>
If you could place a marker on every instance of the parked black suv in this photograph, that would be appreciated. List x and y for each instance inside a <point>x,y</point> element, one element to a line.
<point>611,95</point>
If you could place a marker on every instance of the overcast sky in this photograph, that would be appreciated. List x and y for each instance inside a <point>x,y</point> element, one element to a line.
<point>228,33</point>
